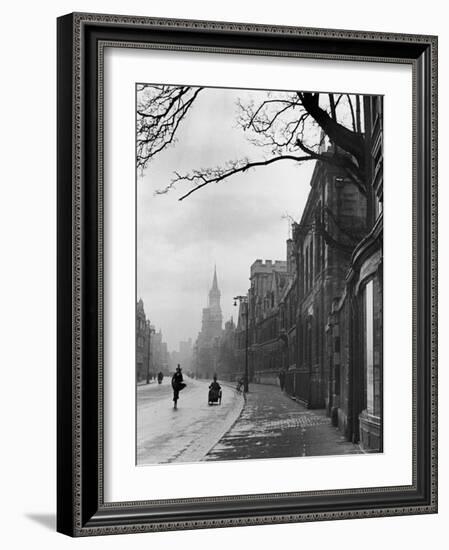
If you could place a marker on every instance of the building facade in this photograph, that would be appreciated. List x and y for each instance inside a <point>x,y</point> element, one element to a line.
<point>151,351</point>
<point>142,328</point>
<point>333,222</point>
<point>159,358</point>
<point>268,279</point>
<point>316,318</point>
<point>355,329</point>
<point>227,362</point>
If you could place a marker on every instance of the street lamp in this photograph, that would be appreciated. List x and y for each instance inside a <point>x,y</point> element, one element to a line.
<point>150,331</point>
<point>244,300</point>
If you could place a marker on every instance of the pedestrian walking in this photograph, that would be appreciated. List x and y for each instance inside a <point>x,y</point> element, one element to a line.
<point>177,383</point>
<point>282,379</point>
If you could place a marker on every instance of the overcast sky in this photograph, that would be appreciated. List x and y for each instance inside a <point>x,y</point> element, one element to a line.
<point>229,224</point>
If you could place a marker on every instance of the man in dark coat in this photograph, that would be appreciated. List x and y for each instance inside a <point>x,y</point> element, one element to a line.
<point>177,383</point>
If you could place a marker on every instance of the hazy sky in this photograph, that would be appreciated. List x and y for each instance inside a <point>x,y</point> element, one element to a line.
<point>229,224</point>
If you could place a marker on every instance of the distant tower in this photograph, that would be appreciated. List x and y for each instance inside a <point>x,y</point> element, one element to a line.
<point>212,315</point>
<point>205,359</point>
<point>214,296</point>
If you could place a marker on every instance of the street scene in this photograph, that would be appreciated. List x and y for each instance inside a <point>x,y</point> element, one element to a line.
<point>259,320</point>
<point>186,434</point>
<point>267,424</point>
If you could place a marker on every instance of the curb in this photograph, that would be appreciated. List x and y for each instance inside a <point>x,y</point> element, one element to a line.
<point>232,425</point>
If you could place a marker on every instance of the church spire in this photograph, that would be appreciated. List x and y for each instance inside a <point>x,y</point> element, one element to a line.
<point>214,292</point>
<point>214,282</point>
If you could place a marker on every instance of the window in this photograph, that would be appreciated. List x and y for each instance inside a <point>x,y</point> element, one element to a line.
<point>317,338</point>
<point>369,347</point>
<point>318,255</point>
<point>306,269</point>
<point>311,261</point>
<point>377,207</point>
<point>337,344</point>
<point>318,221</point>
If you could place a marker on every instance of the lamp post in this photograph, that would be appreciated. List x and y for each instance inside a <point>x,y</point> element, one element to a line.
<point>244,300</point>
<point>150,331</point>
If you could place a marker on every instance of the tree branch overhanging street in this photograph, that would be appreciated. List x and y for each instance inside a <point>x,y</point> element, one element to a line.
<point>160,111</point>
<point>203,177</point>
<point>291,126</point>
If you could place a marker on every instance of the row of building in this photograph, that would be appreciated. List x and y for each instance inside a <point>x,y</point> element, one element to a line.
<point>315,318</point>
<point>152,355</point>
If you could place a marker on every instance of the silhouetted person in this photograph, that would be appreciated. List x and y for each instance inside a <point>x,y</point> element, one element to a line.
<point>177,383</point>
<point>215,386</point>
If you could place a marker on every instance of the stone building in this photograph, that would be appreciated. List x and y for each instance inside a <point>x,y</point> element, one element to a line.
<point>288,339</point>
<point>159,358</point>
<point>243,336</point>
<point>151,351</point>
<point>141,342</point>
<point>268,282</point>
<point>332,223</point>
<point>207,343</point>
<point>271,301</point>
<point>227,365</point>
<point>318,315</point>
<point>355,329</point>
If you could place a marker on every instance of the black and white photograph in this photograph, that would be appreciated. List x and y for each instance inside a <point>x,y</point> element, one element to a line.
<point>259,273</point>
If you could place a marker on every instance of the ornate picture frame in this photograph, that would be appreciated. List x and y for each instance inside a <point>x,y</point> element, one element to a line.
<point>81,507</point>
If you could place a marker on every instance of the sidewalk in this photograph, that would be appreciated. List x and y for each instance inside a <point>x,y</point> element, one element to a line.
<point>272,425</point>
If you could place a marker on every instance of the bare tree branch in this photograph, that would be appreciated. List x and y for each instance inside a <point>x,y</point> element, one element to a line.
<point>357,111</point>
<point>282,124</point>
<point>351,107</point>
<point>160,111</point>
<point>332,104</point>
<point>201,178</point>
<point>351,142</point>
